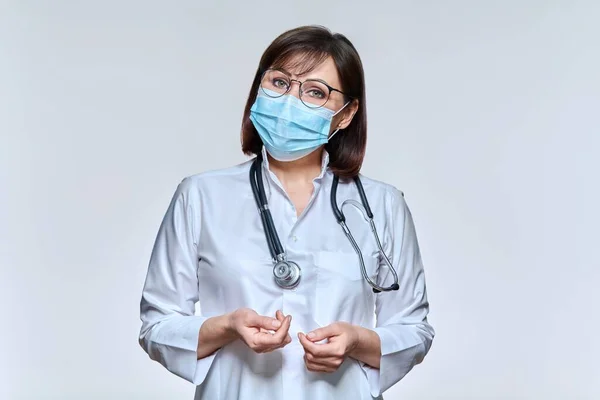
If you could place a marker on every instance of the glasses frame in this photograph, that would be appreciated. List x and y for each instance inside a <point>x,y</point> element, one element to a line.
<point>300,83</point>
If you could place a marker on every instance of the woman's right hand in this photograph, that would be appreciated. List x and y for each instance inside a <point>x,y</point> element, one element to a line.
<point>262,334</point>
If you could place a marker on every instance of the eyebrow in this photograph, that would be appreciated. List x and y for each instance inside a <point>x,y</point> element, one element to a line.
<point>312,79</point>
<point>286,71</point>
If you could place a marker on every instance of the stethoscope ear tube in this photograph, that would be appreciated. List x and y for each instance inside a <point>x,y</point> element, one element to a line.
<point>336,211</point>
<point>376,288</point>
<point>368,214</point>
<point>363,197</point>
<point>261,208</point>
<point>267,213</point>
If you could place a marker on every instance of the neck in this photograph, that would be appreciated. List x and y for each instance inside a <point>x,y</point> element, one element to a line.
<point>303,170</point>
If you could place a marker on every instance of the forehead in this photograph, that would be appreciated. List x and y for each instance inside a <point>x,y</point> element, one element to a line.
<point>301,67</point>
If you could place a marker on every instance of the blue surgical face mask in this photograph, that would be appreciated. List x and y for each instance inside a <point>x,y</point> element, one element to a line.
<point>289,129</point>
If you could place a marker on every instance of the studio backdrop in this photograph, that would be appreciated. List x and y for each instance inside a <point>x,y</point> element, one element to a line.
<point>484,113</point>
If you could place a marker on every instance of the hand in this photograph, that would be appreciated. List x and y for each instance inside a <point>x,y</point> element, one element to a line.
<point>327,357</point>
<point>262,334</point>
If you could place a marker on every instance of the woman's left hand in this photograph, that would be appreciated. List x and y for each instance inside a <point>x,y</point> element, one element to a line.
<point>328,356</point>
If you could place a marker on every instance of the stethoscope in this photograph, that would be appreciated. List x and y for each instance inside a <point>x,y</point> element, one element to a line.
<point>287,273</point>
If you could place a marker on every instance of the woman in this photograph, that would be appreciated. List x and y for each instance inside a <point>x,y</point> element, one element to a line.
<point>285,279</point>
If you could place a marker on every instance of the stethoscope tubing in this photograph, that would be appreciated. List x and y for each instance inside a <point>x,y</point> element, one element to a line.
<point>258,189</point>
<point>276,249</point>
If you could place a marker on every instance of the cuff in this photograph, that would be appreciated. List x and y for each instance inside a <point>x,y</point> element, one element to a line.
<point>202,368</point>
<point>180,355</point>
<point>397,355</point>
<point>372,375</point>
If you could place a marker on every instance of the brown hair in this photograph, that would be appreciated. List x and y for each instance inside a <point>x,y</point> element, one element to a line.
<point>306,47</point>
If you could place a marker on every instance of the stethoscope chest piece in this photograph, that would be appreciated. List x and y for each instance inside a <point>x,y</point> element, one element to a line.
<point>286,274</point>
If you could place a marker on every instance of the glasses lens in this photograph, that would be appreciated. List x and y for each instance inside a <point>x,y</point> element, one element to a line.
<point>275,83</point>
<point>314,94</point>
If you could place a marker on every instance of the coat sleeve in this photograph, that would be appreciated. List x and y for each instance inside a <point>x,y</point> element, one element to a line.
<point>406,336</point>
<point>169,331</point>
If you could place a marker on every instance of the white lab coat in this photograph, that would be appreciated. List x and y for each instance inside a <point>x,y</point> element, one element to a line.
<point>211,249</point>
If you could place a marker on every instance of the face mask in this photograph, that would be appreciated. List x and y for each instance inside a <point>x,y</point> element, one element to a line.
<point>289,129</point>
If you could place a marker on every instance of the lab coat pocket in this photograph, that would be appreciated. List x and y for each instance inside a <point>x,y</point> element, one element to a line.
<point>342,293</point>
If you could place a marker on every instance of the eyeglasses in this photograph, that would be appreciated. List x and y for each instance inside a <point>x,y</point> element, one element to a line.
<point>314,93</point>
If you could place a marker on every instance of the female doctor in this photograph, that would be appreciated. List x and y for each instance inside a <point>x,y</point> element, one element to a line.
<point>308,274</point>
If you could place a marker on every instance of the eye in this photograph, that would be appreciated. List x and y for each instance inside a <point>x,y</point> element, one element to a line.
<point>280,83</point>
<point>316,93</point>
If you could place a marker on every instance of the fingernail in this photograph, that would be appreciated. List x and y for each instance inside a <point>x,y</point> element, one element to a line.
<point>276,324</point>
<point>311,335</point>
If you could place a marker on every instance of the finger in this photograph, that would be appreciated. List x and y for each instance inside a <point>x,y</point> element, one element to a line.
<point>307,344</point>
<point>282,332</point>
<point>319,350</point>
<point>287,341</point>
<point>263,342</point>
<point>331,362</point>
<point>319,368</point>
<point>279,315</point>
<point>312,366</point>
<point>260,321</point>
<point>323,333</point>
<point>304,341</point>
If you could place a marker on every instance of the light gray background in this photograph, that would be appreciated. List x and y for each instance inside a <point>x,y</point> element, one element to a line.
<point>486,114</point>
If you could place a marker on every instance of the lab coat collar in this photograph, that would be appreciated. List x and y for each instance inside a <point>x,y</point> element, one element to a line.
<point>324,162</point>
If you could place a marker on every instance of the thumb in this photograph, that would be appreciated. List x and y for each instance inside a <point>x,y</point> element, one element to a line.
<point>279,315</point>
<point>260,321</point>
<point>322,333</point>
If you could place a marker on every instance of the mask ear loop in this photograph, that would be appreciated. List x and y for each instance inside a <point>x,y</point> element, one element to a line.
<point>336,113</point>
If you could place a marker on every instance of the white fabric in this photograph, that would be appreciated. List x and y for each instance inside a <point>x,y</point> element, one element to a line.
<point>211,248</point>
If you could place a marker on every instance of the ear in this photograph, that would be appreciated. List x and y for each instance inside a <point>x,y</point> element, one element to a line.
<point>345,117</point>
